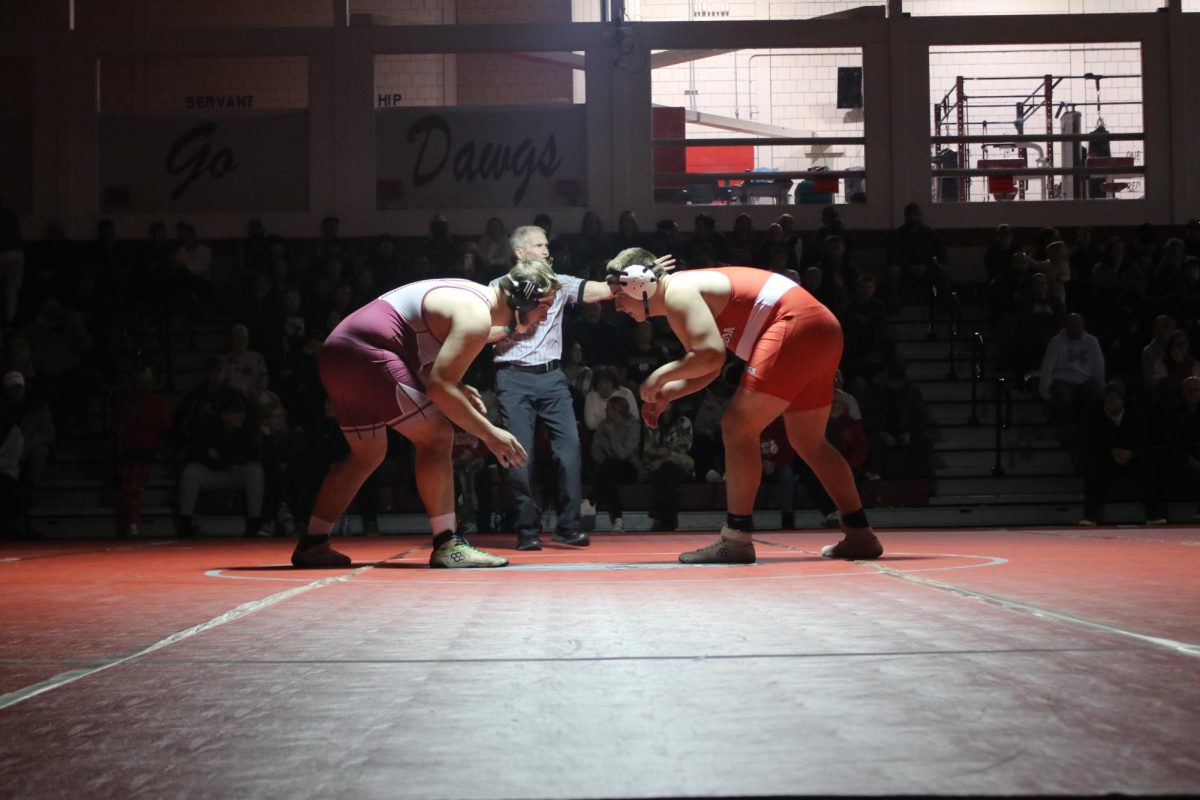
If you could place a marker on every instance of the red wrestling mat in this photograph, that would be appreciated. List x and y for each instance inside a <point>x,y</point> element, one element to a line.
<point>986,662</point>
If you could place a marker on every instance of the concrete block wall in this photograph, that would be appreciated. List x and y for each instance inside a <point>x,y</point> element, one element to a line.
<point>130,85</point>
<point>176,14</point>
<point>419,79</point>
<point>931,8</point>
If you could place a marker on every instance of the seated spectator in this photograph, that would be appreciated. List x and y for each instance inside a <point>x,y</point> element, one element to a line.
<point>281,445</point>
<point>330,242</point>
<point>1176,366</point>
<point>916,260</point>
<point>384,264</point>
<point>595,404</point>
<point>791,240</point>
<point>578,374</point>
<point>666,452</point>
<point>244,368</point>
<point>600,339</point>
<point>615,454</point>
<point>591,242</point>
<point>741,243</point>
<point>1185,306</point>
<point>1057,269</point>
<point>1166,277</point>
<point>1004,293</point>
<point>868,345</point>
<point>12,512</point>
<point>495,250</point>
<point>194,258</point>
<point>254,251</point>
<point>840,277</point>
<point>1156,351</point>
<point>998,256</point>
<point>628,233</point>
<point>643,356</point>
<point>1071,377</point>
<point>705,247</point>
<point>667,240</point>
<point>1039,317</point>
<point>1084,254</point>
<point>142,419</point>
<point>813,281</point>
<point>831,225</point>
<point>439,248</point>
<point>894,419</point>
<point>226,454</point>
<point>32,415</point>
<point>59,345</point>
<point>1182,435</point>
<point>1119,444</point>
<point>778,470</point>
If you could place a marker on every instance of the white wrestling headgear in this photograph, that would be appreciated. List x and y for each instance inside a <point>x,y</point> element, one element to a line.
<point>638,281</point>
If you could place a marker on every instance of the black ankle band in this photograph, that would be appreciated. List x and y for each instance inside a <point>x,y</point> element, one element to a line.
<point>740,522</point>
<point>442,538</point>
<point>308,540</point>
<point>856,519</point>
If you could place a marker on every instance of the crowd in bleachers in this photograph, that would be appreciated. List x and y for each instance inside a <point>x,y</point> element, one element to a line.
<point>105,324</point>
<point>1106,334</point>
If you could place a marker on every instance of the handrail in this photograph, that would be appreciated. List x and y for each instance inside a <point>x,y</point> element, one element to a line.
<point>1003,421</point>
<point>1001,138</point>
<point>775,176</point>
<point>978,354</point>
<point>931,332</point>
<point>955,332</point>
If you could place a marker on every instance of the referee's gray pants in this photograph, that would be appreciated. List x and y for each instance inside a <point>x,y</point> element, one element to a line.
<point>526,397</point>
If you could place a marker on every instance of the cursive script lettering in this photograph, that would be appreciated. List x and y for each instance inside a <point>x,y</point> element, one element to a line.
<point>488,161</point>
<point>192,154</point>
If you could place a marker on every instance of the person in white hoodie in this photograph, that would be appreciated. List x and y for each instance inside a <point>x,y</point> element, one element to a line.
<point>1072,373</point>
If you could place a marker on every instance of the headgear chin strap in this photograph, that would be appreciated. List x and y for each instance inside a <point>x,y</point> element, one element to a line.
<point>639,281</point>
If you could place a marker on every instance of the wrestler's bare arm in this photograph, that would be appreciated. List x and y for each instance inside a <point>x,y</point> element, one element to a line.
<point>692,321</point>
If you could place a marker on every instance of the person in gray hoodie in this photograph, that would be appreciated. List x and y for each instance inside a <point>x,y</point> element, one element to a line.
<point>1072,374</point>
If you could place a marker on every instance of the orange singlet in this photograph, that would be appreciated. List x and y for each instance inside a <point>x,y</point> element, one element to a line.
<point>790,341</point>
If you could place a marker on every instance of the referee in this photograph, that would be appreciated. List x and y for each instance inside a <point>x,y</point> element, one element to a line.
<point>530,386</point>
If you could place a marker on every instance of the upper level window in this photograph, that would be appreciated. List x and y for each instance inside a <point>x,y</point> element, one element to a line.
<point>167,14</point>
<point>965,8</point>
<point>743,10</point>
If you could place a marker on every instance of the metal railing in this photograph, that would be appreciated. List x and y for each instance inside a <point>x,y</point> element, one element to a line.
<point>1003,421</point>
<point>978,356</point>
<point>955,332</point>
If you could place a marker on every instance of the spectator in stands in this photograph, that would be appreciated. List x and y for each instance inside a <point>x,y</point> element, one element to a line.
<point>1182,435</point>
<point>225,454</point>
<point>12,264</point>
<point>831,225</point>
<point>1119,444</point>
<point>142,420</point>
<point>666,453</point>
<point>895,422</point>
<point>49,262</point>
<point>667,240</point>
<point>628,233</point>
<point>466,263</point>
<point>1084,255</point>
<point>741,243</point>
<point>1057,269</point>
<point>778,469</point>
<point>591,241</point>
<point>439,246</point>
<point>281,445</point>
<point>244,368</point>
<point>1185,307</point>
<point>916,260</point>
<point>605,386</point>
<point>32,414</point>
<point>154,276</point>
<point>774,253</point>
<point>615,454</point>
<point>643,356</point>
<point>1191,238</point>
<point>706,246</point>
<point>998,256</point>
<point>839,276</point>
<point>1175,366</point>
<point>868,345</point>
<point>1166,277</point>
<point>1156,351</point>
<point>299,380</point>
<point>200,405</point>
<point>384,264</point>
<point>330,242</point>
<point>790,238</point>
<point>12,513</point>
<point>1004,293</point>
<point>1071,378</point>
<point>813,281</point>
<point>194,257</point>
<point>1144,246</point>
<point>600,339</point>
<point>19,358</point>
<point>59,344</point>
<point>495,250</point>
<point>1039,317</point>
<point>578,374</point>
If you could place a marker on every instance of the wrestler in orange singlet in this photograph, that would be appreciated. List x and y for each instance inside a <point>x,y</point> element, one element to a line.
<point>791,345</point>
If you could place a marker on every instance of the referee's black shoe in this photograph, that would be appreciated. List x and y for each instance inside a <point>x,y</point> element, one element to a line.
<point>529,541</point>
<point>577,538</point>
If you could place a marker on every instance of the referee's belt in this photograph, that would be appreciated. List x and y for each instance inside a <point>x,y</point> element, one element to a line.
<point>537,369</point>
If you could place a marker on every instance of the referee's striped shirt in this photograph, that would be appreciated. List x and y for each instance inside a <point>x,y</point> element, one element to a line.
<point>545,342</point>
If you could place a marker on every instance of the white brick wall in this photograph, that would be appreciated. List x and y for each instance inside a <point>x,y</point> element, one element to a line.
<point>130,85</point>
<point>995,7</point>
<point>804,9</point>
<point>481,78</point>
<point>420,79</point>
<point>946,63</point>
<point>166,14</point>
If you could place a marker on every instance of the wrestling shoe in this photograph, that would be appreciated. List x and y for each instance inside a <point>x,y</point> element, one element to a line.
<point>318,556</point>
<point>724,550</point>
<point>455,552</point>
<point>529,541</point>
<point>859,544</point>
<point>577,538</point>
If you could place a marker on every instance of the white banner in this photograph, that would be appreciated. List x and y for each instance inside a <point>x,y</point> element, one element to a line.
<point>252,161</point>
<point>16,161</point>
<point>447,157</point>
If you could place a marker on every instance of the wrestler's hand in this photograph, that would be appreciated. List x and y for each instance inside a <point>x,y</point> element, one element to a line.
<point>475,399</point>
<point>651,390</point>
<point>507,450</point>
<point>651,412</point>
<point>667,262</point>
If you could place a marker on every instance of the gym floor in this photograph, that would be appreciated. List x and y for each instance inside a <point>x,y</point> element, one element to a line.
<point>970,662</point>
